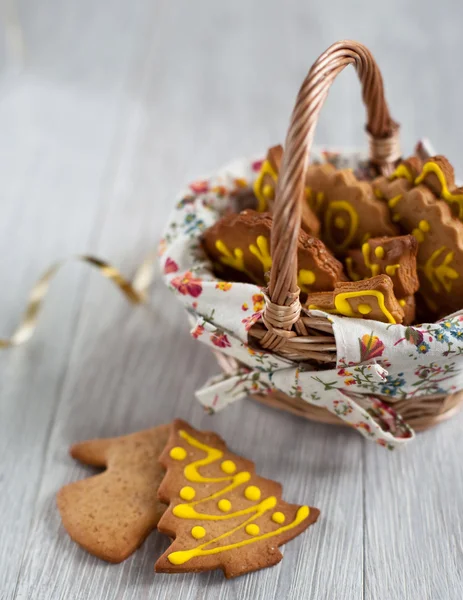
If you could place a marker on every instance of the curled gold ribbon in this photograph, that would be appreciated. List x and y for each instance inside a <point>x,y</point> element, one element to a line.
<point>135,291</point>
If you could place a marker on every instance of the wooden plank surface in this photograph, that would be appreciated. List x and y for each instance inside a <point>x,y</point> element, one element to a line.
<point>116,105</point>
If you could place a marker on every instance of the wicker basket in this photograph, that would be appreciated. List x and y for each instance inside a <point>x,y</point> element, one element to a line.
<point>286,328</point>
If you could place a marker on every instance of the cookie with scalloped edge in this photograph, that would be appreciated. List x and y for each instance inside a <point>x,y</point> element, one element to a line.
<point>239,248</point>
<point>221,515</point>
<point>351,213</point>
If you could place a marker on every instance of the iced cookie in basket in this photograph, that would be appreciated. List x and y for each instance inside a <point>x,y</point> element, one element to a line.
<point>371,298</point>
<point>111,514</point>
<point>394,256</point>
<point>423,211</point>
<point>239,247</point>
<point>265,188</point>
<point>221,514</point>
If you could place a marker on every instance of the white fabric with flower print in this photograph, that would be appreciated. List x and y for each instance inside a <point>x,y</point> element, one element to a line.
<point>372,357</point>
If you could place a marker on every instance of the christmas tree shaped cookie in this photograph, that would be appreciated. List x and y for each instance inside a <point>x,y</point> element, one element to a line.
<point>110,514</point>
<point>221,514</point>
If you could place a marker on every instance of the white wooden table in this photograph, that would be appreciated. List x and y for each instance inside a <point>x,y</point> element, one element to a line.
<point>113,106</point>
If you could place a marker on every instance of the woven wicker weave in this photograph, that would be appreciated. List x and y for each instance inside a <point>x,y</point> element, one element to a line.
<point>286,328</point>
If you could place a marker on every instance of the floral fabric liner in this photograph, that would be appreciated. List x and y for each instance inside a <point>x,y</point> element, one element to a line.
<point>372,357</point>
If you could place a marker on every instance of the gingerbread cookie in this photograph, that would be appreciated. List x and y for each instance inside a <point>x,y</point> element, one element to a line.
<point>367,299</point>
<point>265,189</point>
<point>350,212</point>
<point>440,248</point>
<point>221,514</point>
<point>112,513</point>
<point>391,189</point>
<point>438,175</point>
<point>395,256</point>
<point>239,247</point>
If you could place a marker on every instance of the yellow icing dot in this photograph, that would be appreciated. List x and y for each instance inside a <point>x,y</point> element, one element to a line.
<point>268,191</point>
<point>418,234</point>
<point>178,453</point>
<point>378,193</point>
<point>305,277</point>
<point>278,517</point>
<point>308,193</point>
<point>252,529</point>
<point>187,493</point>
<point>224,505</point>
<point>198,532</point>
<point>396,217</point>
<point>339,222</point>
<point>252,492</point>
<point>228,466</point>
<point>402,302</point>
<point>364,309</point>
<point>379,252</point>
<point>424,226</point>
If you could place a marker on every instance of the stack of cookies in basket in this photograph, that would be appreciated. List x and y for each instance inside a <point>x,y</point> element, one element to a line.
<point>379,249</point>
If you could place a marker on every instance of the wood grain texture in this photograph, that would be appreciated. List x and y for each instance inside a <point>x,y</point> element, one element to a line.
<point>117,106</point>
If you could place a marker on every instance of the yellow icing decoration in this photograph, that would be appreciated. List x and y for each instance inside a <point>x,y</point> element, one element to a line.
<point>379,252</point>
<point>423,227</point>
<point>443,273</point>
<point>235,260</point>
<point>333,208</point>
<point>187,493</point>
<point>343,306</point>
<point>392,203</point>
<point>252,529</point>
<point>350,270</point>
<point>319,200</point>
<point>402,302</point>
<point>268,191</point>
<point>314,200</point>
<point>228,466</point>
<point>305,278</point>
<point>177,453</point>
<point>261,252</point>
<point>339,222</point>
<point>364,309</point>
<point>391,270</point>
<point>224,505</point>
<point>378,193</point>
<point>366,257</point>
<point>403,172</point>
<point>198,532</point>
<point>182,556</point>
<point>252,492</point>
<point>395,218</point>
<point>278,517</point>
<point>261,191</point>
<point>432,167</point>
<point>188,511</point>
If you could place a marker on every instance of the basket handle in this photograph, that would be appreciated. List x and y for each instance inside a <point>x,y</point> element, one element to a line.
<point>282,309</point>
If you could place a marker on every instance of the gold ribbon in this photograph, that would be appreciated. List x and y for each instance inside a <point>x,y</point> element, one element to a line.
<point>135,291</point>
